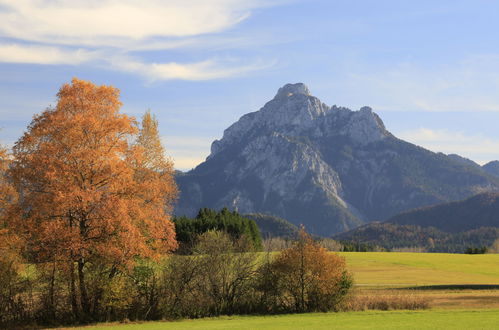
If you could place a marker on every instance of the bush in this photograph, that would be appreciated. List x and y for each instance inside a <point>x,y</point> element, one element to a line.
<point>304,278</point>
<point>476,250</point>
<point>217,279</point>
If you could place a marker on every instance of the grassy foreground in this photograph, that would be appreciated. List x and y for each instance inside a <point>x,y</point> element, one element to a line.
<point>446,275</point>
<point>432,319</point>
<point>397,269</point>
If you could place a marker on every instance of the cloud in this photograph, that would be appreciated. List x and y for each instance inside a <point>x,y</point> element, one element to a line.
<point>469,84</point>
<point>105,33</point>
<point>117,22</point>
<point>477,147</point>
<point>204,70</point>
<point>187,152</point>
<point>35,54</point>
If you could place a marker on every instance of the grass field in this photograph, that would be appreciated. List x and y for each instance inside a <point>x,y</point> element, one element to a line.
<point>450,281</point>
<point>432,319</point>
<point>397,269</point>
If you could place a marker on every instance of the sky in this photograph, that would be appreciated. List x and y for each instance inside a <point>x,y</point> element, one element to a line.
<point>430,69</point>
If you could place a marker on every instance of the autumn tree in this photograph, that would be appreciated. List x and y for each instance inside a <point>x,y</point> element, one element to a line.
<point>154,152</point>
<point>304,278</point>
<point>11,307</point>
<point>8,194</point>
<point>91,196</point>
<point>154,170</point>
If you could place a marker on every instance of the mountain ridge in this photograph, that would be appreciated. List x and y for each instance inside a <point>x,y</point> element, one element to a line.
<point>448,227</point>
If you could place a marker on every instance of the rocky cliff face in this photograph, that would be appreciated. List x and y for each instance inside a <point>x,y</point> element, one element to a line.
<point>328,168</point>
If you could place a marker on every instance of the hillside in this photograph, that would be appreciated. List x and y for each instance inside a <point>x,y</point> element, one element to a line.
<point>475,212</point>
<point>448,227</point>
<point>327,167</point>
<point>271,226</point>
<point>393,236</point>
<point>492,167</point>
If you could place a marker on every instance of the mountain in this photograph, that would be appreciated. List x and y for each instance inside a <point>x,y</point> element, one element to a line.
<point>271,226</point>
<point>492,167</point>
<point>478,211</point>
<point>329,168</point>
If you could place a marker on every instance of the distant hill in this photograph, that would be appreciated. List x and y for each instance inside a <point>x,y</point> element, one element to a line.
<point>448,227</point>
<point>492,167</point>
<point>475,212</point>
<point>393,236</point>
<point>271,226</point>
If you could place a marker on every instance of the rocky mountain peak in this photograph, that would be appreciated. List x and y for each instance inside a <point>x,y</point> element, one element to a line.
<point>295,112</point>
<point>292,89</point>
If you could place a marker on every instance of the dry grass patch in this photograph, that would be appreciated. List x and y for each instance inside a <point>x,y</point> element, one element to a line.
<point>386,300</point>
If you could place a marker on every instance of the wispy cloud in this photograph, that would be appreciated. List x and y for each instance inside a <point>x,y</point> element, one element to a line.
<point>93,32</point>
<point>205,70</point>
<point>187,152</point>
<point>111,22</point>
<point>477,147</point>
<point>36,54</point>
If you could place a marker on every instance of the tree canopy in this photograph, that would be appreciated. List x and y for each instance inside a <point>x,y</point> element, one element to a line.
<point>88,194</point>
<point>224,220</point>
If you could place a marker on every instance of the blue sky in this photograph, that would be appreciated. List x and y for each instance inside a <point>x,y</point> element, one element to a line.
<point>429,68</point>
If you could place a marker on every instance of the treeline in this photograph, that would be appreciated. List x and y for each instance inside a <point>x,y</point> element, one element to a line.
<point>233,223</point>
<point>222,275</point>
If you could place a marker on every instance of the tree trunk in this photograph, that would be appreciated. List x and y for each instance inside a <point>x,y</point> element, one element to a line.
<point>85,304</point>
<point>52,292</point>
<point>72,288</point>
<point>302,278</point>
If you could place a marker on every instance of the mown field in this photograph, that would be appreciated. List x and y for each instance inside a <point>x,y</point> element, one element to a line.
<point>433,319</point>
<point>449,281</point>
<point>463,290</point>
<point>397,269</point>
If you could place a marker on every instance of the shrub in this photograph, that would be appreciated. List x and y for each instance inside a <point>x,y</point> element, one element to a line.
<point>276,244</point>
<point>304,278</point>
<point>216,279</point>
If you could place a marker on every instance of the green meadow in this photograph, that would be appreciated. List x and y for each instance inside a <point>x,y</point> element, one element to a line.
<point>431,319</point>
<point>397,269</point>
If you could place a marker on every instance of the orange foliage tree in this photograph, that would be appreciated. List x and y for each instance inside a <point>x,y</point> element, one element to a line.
<point>88,193</point>
<point>8,197</point>
<point>153,170</point>
<point>10,245</point>
<point>305,278</point>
